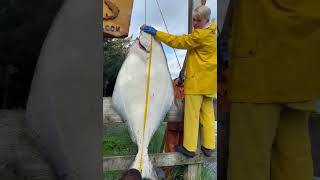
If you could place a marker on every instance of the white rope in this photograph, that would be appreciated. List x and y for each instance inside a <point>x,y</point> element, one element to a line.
<point>175,53</point>
<point>145,11</point>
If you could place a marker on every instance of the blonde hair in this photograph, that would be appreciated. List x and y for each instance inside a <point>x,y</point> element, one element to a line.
<point>201,12</point>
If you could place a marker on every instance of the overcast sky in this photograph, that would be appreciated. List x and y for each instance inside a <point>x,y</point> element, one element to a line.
<point>176,16</point>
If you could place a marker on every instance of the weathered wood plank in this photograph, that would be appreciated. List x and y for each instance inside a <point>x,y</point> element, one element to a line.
<point>193,172</point>
<point>110,116</point>
<point>13,114</point>
<point>19,155</point>
<point>159,160</point>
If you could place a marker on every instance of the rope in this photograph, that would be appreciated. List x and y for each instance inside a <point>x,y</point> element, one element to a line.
<point>165,24</point>
<point>146,103</point>
<point>145,11</point>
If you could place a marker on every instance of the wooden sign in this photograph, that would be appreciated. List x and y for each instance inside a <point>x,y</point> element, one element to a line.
<point>116,18</point>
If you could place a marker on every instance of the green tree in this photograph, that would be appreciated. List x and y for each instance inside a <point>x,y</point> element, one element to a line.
<point>115,52</point>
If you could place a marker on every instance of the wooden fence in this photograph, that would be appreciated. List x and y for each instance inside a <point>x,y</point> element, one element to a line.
<point>160,159</point>
<point>12,131</point>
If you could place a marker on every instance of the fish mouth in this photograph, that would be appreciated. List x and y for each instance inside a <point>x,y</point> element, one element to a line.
<point>142,47</point>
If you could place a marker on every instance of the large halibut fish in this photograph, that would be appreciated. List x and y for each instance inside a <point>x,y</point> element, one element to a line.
<point>64,114</point>
<point>142,96</point>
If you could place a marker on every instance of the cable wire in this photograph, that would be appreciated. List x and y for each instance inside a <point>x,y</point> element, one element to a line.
<point>165,24</point>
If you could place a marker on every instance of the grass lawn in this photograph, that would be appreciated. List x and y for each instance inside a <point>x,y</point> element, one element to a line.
<point>117,142</point>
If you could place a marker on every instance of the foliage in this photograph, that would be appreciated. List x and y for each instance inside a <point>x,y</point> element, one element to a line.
<point>112,175</point>
<point>177,172</point>
<point>115,52</point>
<point>206,173</point>
<point>157,143</point>
<point>117,142</point>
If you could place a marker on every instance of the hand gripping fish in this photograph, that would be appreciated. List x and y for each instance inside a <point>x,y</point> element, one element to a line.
<point>143,94</point>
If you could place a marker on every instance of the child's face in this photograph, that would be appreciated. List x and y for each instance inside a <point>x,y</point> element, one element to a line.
<point>199,23</point>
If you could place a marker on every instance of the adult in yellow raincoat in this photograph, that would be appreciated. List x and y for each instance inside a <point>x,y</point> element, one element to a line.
<point>274,62</point>
<point>200,85</point>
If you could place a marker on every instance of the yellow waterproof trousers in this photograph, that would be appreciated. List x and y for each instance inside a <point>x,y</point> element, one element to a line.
<point>198,110</point>
<point>269,142</point>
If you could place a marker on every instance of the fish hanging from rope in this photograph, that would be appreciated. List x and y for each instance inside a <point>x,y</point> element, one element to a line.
<point>143,94</point>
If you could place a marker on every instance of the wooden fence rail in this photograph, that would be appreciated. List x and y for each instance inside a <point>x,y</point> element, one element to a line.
<point>123,162</point>
<point>161,159</point>
<point>114,163</point>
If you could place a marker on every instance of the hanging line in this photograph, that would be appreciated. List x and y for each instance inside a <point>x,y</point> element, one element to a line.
<point>145,12</point>
<point>165,24</point>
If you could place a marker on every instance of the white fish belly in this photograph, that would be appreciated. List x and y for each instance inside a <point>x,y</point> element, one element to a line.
<point>129,98</point>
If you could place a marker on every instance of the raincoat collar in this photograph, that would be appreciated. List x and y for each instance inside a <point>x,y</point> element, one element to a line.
<point>210,26</point>
<point>207,25</point>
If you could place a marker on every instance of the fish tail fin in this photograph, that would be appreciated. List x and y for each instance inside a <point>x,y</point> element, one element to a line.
<point>147,168</point>
<point>136,162</point>
<point>144,165</point>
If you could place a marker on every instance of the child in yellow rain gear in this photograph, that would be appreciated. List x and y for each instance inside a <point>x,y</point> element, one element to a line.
<point>200,84</point>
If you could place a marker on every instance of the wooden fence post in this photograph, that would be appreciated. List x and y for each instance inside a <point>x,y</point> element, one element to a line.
<point>193,172</point>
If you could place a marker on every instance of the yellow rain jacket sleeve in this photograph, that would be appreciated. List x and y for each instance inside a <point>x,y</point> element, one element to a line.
<point>201,65</point>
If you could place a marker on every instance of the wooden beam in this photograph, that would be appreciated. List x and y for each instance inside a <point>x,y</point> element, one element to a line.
<point>193,172</point>
<point>109,115</point>
<point>12,114</point>
<point>19,155</point>
<point>114,163</point>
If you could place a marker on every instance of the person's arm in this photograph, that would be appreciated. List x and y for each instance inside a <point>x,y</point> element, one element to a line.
<point>188,41</point>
